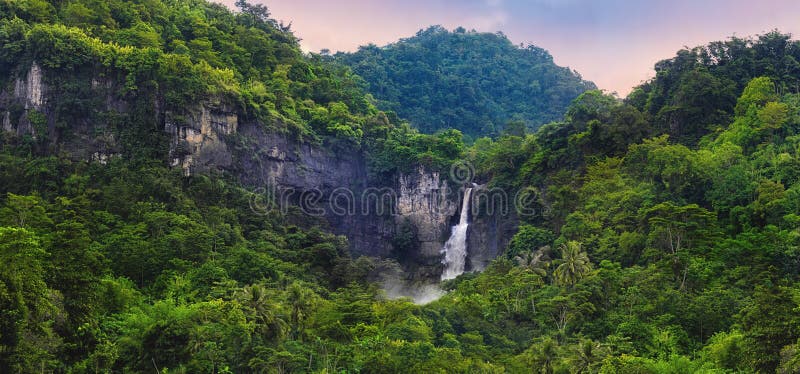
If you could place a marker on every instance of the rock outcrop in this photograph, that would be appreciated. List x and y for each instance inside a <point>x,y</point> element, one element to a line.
<point>31,89</point>
<point>493,224</point>
<point>198,139</point>
<point>424,201</point>
<point>28,95</point>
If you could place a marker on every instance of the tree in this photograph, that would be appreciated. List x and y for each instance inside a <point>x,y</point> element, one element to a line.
<point>700,102</point>
<point>25,211</point>
<point>773,116</point>
<point>590,106</point>
<point>758,92</point>
<point>537,261</point>
<point>678,227</point>
<point>27,341</point>
<point>542,356</point>
<point>587,356</point>
<point>258,13</point>
<point>515,128</point>
<point>573,265</point>
<point>76,269</point>
<point>769,323</point>
<point>527,239</point>
<point>624,126</point>
<point>301,301</point>
<point>727,350</point>
<point>264,311</point>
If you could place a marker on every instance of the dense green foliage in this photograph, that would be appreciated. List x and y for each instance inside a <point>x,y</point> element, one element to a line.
<point>465,80</point>
<point>696,92</point>
<point>669,256</point>
<point>659,243</point>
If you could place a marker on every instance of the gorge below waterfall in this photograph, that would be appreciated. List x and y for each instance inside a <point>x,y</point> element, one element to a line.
<point>455,250</point>
<point>471,238</point>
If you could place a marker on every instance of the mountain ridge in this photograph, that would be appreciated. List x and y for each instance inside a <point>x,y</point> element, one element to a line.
<point>466,80</point>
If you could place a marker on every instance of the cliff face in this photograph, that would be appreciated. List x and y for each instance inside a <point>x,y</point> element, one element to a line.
<point>426,205</point>
<point>332,183</point>
<point>197,141</point>
<point>329,182</point>
<point>28,93</point>
<point>321,181</point>
<point>493,223</point>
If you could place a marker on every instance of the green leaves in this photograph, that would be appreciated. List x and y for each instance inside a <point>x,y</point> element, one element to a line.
<point>27,341</point>
<point>769,324</point>
<point>680,227</point>
<point>528,239</point>
<point>25,212</point>
<point>573,265</point>
<point>470,81</point>
<point>670,247</point>
<point>758,92</point>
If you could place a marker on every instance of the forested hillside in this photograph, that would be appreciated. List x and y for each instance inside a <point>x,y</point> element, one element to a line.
<point>466,80</point>
<point>667,239</point>
<point>664,240</point>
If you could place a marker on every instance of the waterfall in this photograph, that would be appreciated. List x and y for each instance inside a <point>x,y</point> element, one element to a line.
<point>455,250</point>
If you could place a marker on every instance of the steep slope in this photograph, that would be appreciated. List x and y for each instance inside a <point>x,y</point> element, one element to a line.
<point>470,81</point>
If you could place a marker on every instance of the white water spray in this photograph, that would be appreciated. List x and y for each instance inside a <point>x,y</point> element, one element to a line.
<point>455,250</point>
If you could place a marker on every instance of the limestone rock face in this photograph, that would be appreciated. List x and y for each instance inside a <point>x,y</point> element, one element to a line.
<point>423,200</point>
<point>494,222</point>
<point>31,89</point>
<point>29,106</point>
<point>29,93</point>
<point>7,122</point>
<point>324,182</point>
<point>197,140</point>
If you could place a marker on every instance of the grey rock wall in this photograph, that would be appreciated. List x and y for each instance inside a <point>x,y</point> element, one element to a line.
<point>492,225</point>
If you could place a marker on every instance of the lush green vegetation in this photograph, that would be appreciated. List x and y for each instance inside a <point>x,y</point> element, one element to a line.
<point>665,238</point>
<point>465,80</point>
<point>696,92</point>
<point>656,248</point>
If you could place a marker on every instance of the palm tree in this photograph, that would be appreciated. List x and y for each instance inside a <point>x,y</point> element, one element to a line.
<point>536,261</point>
<point>574,264</point>
<point>543,355</point>
<point>586,356</point>
<point>263,311</point>
<point>301,300</point>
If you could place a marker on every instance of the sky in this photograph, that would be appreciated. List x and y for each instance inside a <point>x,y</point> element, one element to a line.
<point>614,43</point>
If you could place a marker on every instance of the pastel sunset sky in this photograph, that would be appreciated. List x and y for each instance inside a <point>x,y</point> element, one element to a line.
<point>614,43</point>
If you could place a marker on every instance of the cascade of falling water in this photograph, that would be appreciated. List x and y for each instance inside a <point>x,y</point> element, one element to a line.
<point>455,250</point>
